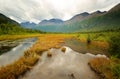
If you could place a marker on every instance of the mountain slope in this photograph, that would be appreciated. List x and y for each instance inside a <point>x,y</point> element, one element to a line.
<point>9,26</point>
<point>96,21</point>
<point>52,25</point>
<point>5,19</point>
<point>108,21</point>
<point>28,24</point>
<point>51,21</point>
<point>78,17</point>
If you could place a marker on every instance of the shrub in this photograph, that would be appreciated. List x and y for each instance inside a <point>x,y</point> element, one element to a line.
<point>116,71</point>
<point>63,49</point>
<point>20,67</point>
<point>114,45</point>
<point>88,39</point>
<point>49,54</point>
<point>106,68</point>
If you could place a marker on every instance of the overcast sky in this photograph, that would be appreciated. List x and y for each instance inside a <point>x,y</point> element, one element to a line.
<point>37,10</point>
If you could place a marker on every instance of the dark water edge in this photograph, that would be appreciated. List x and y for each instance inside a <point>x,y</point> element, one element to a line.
<point>16,52</point>
<point>83,47</point>
<point>7,45</point>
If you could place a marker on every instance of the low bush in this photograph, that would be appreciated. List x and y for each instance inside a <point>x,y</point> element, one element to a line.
<point>31,56</point>
<point>114,45</point>
<point>63,49</point>
<point>13,71</point>
<point>88,39</point>
<point>49,54</point>
<point>107,69</point>
<point>116,71</point>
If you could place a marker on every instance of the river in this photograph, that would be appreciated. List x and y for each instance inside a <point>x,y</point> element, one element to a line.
<point>83,47</point>
<point>63,65</point>
<point>71,64</point>
<point>16,52</point>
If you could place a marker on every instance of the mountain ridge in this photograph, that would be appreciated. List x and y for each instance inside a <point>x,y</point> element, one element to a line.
<point>51,21</point>
<point>95,21</point>
<point>5,19</point>
<point>28,24</point>
<point>9,26</point>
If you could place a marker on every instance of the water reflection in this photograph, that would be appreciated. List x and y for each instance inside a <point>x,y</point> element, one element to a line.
<point>16,52</point>
<point>62,65</point>
<point>84,47</point>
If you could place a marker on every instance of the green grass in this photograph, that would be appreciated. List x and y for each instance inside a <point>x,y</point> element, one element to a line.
<point>114,45</point>
<point>109,69</point>
<point>98,36</point>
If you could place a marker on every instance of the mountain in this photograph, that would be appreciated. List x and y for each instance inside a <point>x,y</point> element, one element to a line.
<point>5,19</point>
<point>116,8</point>
<point>51,25</point>
<point>78,17</point>
<point>51,21</point>
<point>28,24</point>
<point>9,26</point>
<point>98,12</point>
<point>57,25</point>
<point>70,25</point>
<point>107,21</point>
<point>85,22</point>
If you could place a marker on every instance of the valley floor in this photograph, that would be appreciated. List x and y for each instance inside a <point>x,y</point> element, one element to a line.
<point>45,42</point>
<point>66,64</point>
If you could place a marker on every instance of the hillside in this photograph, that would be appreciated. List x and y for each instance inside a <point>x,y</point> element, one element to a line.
<point>5,19</point>
<point>96,21</point>
<point>108,21</point>
<point>9,26</point>
<point>78,17</point>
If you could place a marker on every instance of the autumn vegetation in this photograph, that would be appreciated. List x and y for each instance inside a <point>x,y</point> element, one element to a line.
<point>106,68</point>
<point>109,68</point>
<point>32,55</point>
<point>15,37</point>
<point>63,49</point>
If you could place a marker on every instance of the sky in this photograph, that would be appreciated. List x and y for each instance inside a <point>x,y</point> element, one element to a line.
<point>37,10</point>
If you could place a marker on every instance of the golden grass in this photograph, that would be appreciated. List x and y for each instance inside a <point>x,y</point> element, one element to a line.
<point>100,44</point>
<point>104,67</point>
<point>14,37</point>
<point>31,56</point>
<point>48,41</point>
<point>19,67</point>
<point>97,43</point>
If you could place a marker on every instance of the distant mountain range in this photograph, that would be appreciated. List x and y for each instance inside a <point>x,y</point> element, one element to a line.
<point>51,21</point>
<point>84,22</point>
<point>28,24</point>
<point>43,22</point>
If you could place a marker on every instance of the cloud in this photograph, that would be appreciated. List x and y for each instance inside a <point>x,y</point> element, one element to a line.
<point>37,10</point>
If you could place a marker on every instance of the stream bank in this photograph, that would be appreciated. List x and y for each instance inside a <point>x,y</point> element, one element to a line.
<point>16,52</point>
<point>84,48</point>
<point>56,64</point>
